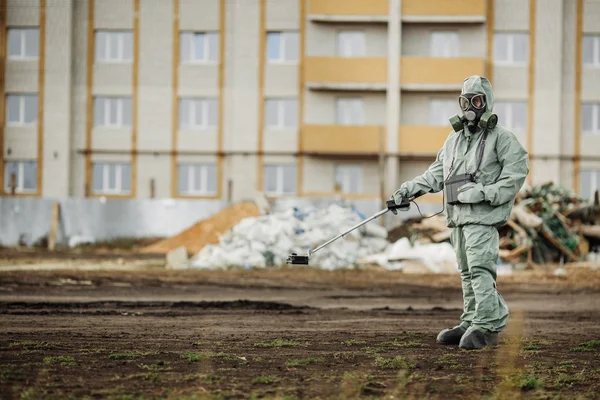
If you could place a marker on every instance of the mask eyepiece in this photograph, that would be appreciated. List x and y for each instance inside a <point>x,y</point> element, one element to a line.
<point>476,101</point>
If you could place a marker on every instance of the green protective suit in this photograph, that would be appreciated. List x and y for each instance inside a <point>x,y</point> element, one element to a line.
<point>484,206</point>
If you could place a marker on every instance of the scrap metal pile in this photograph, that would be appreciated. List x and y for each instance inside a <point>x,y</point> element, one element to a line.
<point>548,224</point>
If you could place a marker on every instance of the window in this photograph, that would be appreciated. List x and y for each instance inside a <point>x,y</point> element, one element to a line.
<point>349,178</point>
<point>114,46</point>
<point>444,44</point>
<point>280,179</point>
<point>589,182</point>
<point>590,118</point>
<point>196,114</point>
<point>21,109</point>
<point>111,178</point>
<point>25,173</point>
<point>351,44</point>
<point>199,47</point>
<point>512,115</point>
<point>112,112</point>
<point>281,113</point>
<point>197,179</point>
<point>23,43</point>
<point>511,48</point>
<point>591,51</point>
<point>440,111</point>
<point>282,47</point>
<point>349,111</point>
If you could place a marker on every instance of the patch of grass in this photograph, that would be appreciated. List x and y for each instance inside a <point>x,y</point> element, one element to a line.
<point>157,366</point>
<point>30,344</point>
<point>372,351</point>
<point>7,373</point>
<point>122,356</point>
<point>447,360</point>
<point>264,380</point>
<point>29,394</point>
<point>194,356</point>
<point>397,362</point>
<point>301,362</point>
<point>199,343</point>
<point>406,343</point>
<point>278,343</point>
<point>486,378</point>
<point>529,382</point>
<point>212,379</point>
<point>564,380</point>
<point>353,342</point>
<point>65,361</point>
<point>590,345</point>
<point>345,355</point>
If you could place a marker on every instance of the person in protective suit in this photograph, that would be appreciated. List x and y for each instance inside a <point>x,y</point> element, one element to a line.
<point>481,168</point>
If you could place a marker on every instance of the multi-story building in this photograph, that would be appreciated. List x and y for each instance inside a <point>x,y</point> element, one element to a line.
<point>223,98</point>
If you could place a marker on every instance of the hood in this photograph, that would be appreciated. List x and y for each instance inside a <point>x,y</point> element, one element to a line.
<point>479,84</point>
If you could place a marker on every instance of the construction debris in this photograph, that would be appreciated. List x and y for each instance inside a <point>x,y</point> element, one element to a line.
<point>205,232</point>
<point>548,224</point>
<point>267,240</point>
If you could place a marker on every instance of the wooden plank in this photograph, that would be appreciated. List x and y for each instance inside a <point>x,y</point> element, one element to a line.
<point>548,235</point>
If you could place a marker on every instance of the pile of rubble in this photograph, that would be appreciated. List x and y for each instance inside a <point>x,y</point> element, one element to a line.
<point>548,224</point>
<point>267,240</point>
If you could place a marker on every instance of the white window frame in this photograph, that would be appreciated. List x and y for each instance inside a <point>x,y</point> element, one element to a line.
<point>20,177</point>
<point>118,179</point>
<point>106,59</point>
<point>191,173</point>
<point>191,124</point>
<point>22,56</point>
<point>510,50</point>
<point>446,35</point>
<point>595,121</point>
<point>21,122</point>
<point>450,107</point>
<point>284,36</point>
<point>281,114</point>
<point>340,117</point>
<point>509,115</point>
<point>346,183</point>
<point>192,56</point>
<point>360,51</point>
<point>279,181</point>
<point>595,52</point>
<point>107,110</point>
<point>594,181</point>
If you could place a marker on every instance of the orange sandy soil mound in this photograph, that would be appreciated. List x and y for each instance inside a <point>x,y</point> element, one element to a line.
<point>206,231</point>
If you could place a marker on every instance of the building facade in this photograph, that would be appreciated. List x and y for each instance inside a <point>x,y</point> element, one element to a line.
<point>224,98</point>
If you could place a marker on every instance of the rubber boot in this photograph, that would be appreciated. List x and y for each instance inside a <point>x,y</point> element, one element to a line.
<point>476,338</point>
<point>451,336</point>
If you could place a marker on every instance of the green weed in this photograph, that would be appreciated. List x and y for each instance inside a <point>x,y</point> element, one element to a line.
<point>301,362</point>
<point>278,343</point>
<point>122,356</point>
<point>591,345</point>
<point>397,362</point>
<point>65,361</point>
<point>264,380</point>
<point>353,342</point>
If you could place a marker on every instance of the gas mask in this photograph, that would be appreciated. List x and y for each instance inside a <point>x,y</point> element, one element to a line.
<point>473,106</point>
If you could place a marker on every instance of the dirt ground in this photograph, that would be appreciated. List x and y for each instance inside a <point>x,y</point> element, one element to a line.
<point>288,333</point>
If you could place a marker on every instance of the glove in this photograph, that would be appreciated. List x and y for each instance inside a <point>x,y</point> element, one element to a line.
<point>471,193</point>
<point>400,194</point>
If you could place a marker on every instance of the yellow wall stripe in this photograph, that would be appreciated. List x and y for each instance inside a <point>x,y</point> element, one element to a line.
<point>175,99</point>
<point>90,99</point>
<point>578,67</point>
<point>490,40</point>
<point>261,91</point>
<point>532,42</point>
<point>134,96</point>
<point>302,49</point>
<point>222,33</point>
<point>3,33</point>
